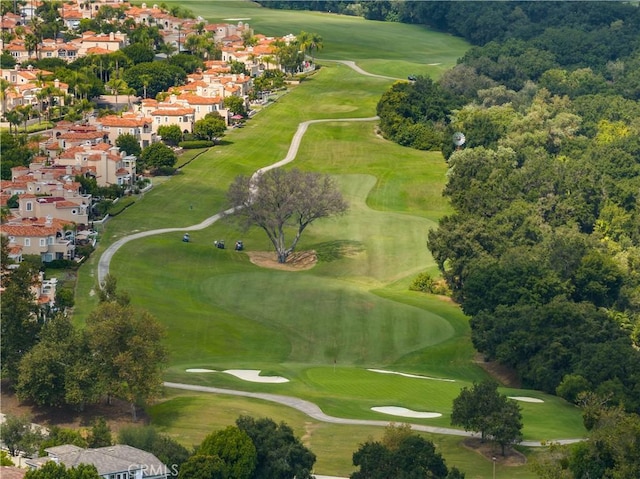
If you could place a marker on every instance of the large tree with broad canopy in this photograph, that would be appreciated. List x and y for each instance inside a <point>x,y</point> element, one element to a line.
<point>279,201</point>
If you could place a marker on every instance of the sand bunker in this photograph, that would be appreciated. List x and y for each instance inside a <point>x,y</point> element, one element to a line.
<point>526,399</point>
<point>199,370</point>
<point>404,412</point>
<point>253,375</point>
<point>406,375</point>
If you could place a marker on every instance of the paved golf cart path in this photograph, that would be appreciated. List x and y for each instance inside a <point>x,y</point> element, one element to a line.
<point>314,412</point>
<point>105,258</point>
<point>306,407</point>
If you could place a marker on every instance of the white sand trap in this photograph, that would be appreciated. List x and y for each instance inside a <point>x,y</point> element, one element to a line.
<point>404,412</point>
<point>434,64</point>
<point>237,19</point>
<point>253,375</point>
<point>406,375</point>
<point>526,399</point>
<point>199,370</point>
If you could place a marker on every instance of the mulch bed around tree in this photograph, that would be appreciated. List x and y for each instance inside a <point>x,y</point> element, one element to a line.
<point>490,450</point>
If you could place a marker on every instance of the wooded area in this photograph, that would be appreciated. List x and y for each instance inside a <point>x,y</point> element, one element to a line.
<point>542,250</point>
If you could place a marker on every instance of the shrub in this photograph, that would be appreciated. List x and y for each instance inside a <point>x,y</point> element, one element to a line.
<point>192,144</point>
<point>426,284</point>
<point>60,264</point>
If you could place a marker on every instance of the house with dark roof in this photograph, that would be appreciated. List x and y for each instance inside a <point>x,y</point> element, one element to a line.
<point>112,462</point>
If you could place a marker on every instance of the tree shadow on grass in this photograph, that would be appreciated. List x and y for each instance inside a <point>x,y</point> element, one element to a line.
<point>338,249</point>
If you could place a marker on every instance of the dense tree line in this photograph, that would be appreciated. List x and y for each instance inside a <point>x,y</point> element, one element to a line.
<point>611,449</point>
<point>543,250</point>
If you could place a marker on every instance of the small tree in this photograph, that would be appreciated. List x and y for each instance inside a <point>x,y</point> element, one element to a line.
<point>129,144</point>
<point>100,434</point>
<point>127,344</point>
<point>401,453</point>
<point>156,156</point>
<point>235,105</point>
<point>17,433</point>
<point>171,134</point>
<point>212,126</point>
<point>483,409</point>
<point>281,455</point>
<point>236,450</point>
<point>278,200</point>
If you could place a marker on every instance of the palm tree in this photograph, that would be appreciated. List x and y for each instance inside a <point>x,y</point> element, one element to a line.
<point>25,111</point>
<point>14,117</point>
<point>117,86</point>
<point>267,59</point>
<point>304,41</point>
<point>5,87</point>
<point>31,43</point>
<point>145,80</point>
<point>315,44</point>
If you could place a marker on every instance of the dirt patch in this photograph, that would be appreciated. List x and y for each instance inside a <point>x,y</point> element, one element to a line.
<point>117,414</point>
<point>300,261</point>
<point>309,429</point>
<point>511,458</point>
<point>503,374</point>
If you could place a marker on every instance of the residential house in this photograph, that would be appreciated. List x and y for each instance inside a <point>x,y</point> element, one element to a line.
<point>71,210</point>
<point>93,43</point>
<point>135,124</point>
<point>171,112</point>
<point>44,237</point>
<point>106,163</point>
<point>112,462</point>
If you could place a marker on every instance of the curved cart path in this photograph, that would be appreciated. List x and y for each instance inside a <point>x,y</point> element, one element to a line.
<point>105,258</point>
<point>306,407</point>
<point>313,411</point>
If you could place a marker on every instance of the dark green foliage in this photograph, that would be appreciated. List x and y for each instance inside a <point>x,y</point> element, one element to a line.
<point>14,153</point>
<point>195,144</point>
<point>413,114</point>
<point>203,467</point>
<point>7,60</point>
<point>100,434</point>
<point>139,53</point>
<point>483,409</point>
<point>212,126</point>
<point>189,63</point>
<point>171,134</point>
<point>59,436</point>
<point>611,449</point>
<point>17,434</point>
<point>20,326</point>
<point>156,156</point>
<point>51,470</point>
<point>236,450</point>
<point>162,77</point>
<point>411,457</point>
<point>280,454</point>
<point>147,438</point>
<point>129,144</point>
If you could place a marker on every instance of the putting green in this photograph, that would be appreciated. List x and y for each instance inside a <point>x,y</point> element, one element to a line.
<point>323,327</point>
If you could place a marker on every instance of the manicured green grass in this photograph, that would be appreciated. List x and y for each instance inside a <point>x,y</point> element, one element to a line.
<point>323,327</point>
<point>189,417</point>
<point>384,48</point>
